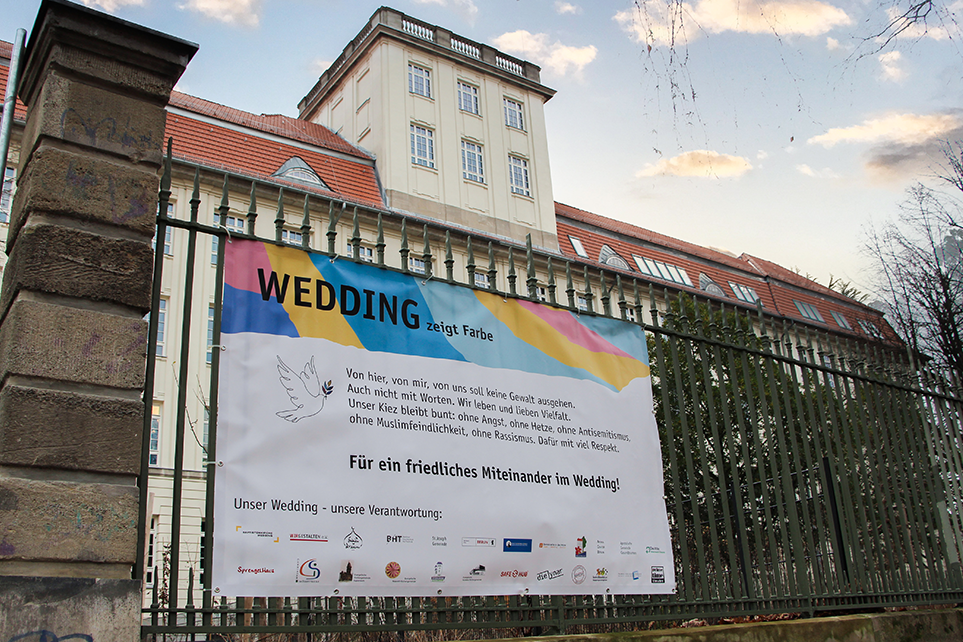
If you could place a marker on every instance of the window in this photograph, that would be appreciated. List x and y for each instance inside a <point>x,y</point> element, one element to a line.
<point>471,162</point>
<point>582,303</point>
<point>541,293</point>
<point>660,270</point>
<point>296,169</point>
<point>513,114</point>
<point>422,146</point>
<point>608,256</point>
<point>6,198</point>
<point>578,247</point>
<point>518,175</point>
<point>206,436</point>
<point>364,253</point>
<point>168,233</point>
<point>161,325</point>
<point>419,80</point>
<point>155,421</point>
<point>210,333</point>
<point>235,225</point>
<point>291,237</point>
<point>149,566</point>
<point>468,98</point>
<point>481,280</point>
<point>744,293</point>
<point>416,265</point>
<point>870,328</point>
<point>706,283</point>
<point>809,311</point>
<point>630,312</point>
<point>840,320</point>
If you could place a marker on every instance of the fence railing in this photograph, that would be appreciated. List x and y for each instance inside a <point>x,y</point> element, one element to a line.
<point>803,472</point>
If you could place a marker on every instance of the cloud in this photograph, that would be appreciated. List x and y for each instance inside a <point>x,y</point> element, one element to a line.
<point>890,66</point>
<point>762,154</point>
<point>901,145</point>
<point>319,65</point>
<point>903,27</point>
<point>699,162</point>
<point>823,173</point>
<point>111,6</point>
<point>466,8</point>
<point>561,8</point>
<point>557,59</point>
<point>677,22</point>
<point>246,13</point>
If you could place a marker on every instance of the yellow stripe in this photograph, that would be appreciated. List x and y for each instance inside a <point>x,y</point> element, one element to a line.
<point>310,322</point>
<point>617,371</point>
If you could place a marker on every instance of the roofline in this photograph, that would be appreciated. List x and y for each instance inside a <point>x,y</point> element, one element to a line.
<point>319,149</point>
<point>389,23</point>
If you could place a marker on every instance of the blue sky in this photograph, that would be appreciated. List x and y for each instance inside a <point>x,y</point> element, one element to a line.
<point>773,127</point>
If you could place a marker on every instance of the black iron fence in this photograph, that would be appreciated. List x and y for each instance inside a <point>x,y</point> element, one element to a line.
<point>804,472</point>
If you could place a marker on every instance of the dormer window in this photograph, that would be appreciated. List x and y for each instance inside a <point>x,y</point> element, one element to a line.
<point>708,285</point>
<point>661,270</point>
<point>296,170</point>
<point>610,257</point>
<point>578,247</point>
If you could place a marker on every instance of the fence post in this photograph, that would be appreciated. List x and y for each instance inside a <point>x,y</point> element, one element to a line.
<point>73,337</point>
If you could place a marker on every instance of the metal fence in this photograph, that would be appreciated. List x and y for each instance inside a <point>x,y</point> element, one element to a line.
<point>803,473</point>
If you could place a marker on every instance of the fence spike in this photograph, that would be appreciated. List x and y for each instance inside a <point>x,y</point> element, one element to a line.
<point>471,263</point>
<point>404,245</point>
<point>569,285</point>
<point>251,210</point>
<point>532,280</point>
<point>306,225</point>
<point>380,243</point>
<point>492,270</point>
<point>606,295</point>
<point>589,296</point>
<point>279,217</point>
<point>449,259</point>
<point>512,277</point>
<point>356,235</point>
<point>426,255</point>
<point>551,282</point>
<point>333,218</point>
<point>623,306</point>
<point>195,201</point>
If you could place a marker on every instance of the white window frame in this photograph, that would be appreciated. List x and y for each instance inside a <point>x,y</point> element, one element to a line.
<point>161,327</point>
<point>210,333</point>
<point>6,197</point>
<point>472,167</point>
<point>577,246</point>
<point>417,265</point>
<point>630,312</point>
<point>582,303</point>
<point>151,543</point>
<point>153,457</point>
<point>518,176</point>
<point>662,270</point>
<point>366,254</point>
<point>541,293</point>
<point>292,237</point>
<point>419,80</point>
<point>234,224</point>
<point>744,293</point>
<point>481,280</point>
<point>423,155</point>
<point>169,232</point>
<point>468,98</point>
<point>840,320</point>
<point>809,311</point>
<point>514,117</point>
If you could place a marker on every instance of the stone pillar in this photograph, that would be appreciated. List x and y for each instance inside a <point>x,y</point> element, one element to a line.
<point>72,332</point>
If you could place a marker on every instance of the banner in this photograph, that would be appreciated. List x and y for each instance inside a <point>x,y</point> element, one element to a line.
<point>387,434</point>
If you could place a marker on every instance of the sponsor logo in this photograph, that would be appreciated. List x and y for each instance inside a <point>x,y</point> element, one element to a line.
<point>627,548</point>
<point>514,573</point>
<point>658,575</point>
<point>654,549</point>
<point>399,539</point>
<point>439,575</point>
<point>636,575</point>
<point>578,574</point>
<point>478,570</point>
<point>601,575</point>
<point>346,574</point>
<point>353,540</point>
<point>439,541</point>
<point>393,569</point>
<point>307,537</point>
<point>478,541</point>
<point>516,545</point>
<point>580,546</point>
<point>268,534</point>
<point>308,571</point>
<point>551,545</point>
<point>305,390</point>
<point>474,575</point>
<point>600,547</point>
<point>254,571</point>
<point>548,575</point>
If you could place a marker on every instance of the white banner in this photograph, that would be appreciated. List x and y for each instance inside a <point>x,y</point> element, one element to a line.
<point>379,435</point>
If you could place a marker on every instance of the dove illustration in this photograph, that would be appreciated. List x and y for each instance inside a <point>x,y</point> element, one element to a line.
<point>305,390</point>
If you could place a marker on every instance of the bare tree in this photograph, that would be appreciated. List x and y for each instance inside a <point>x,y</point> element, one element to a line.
<point>919,270</point>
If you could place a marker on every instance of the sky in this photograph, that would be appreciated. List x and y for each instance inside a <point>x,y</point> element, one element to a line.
<point>778,128</point>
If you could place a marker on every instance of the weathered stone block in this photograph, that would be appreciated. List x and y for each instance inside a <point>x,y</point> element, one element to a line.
<point>69,608</point>
<point>135,59</point>
<point>69,430</point>
<point>96,117</point>
<point>72,262</point>
<point>39,339</point>
<point>87,188</point>
<point>59,520</point>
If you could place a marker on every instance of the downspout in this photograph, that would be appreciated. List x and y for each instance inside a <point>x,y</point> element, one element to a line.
<point>10,100</point>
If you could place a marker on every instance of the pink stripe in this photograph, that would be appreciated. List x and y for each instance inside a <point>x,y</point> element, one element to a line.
<point>241,261</point>
<point>568,326</point>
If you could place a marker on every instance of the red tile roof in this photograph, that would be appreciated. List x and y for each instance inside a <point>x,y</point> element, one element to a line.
<point>777,287</point>
<point>19,110</point>
<point>244,151</point>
